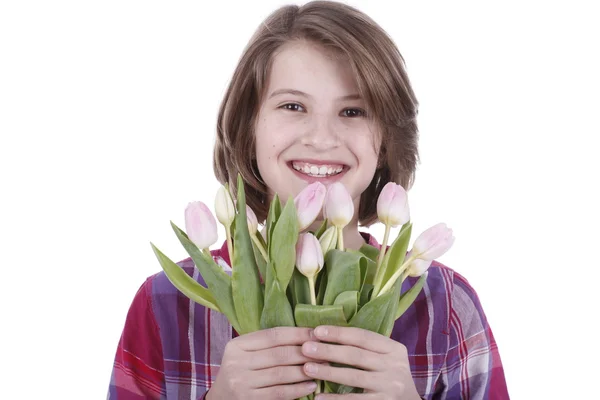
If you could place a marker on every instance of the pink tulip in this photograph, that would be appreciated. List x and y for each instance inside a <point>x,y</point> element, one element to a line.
<point>309,256</point>
<point>417,266</point>
<point>392,205</point>
<point>339,208</point>
<point>433,242</point>
<point>309,203</point>
<point>200,225</point>
<point>252,221</point>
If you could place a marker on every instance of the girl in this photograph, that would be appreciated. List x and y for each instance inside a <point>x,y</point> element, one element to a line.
<point>320,93</point>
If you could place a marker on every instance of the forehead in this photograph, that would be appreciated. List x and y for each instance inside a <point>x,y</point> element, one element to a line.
<point>312,69</point>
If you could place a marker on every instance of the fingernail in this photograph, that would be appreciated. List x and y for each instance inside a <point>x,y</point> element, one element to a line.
<point>321,331</point>
<point>311,368</point>
<point>310,347</point>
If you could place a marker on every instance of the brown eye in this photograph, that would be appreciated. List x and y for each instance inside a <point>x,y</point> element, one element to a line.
<point>292,107</point>
<point>353,112</point>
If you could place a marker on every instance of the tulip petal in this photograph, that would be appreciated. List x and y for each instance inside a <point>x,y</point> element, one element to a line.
<point>309,203</point>
<point>200,225</point>
<point>339,208</point>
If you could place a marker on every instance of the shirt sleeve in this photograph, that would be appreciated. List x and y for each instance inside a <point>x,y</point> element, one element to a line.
<point>138,369</point>
<point>473,366</point>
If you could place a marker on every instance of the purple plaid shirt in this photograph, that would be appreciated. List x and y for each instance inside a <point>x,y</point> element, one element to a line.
<point>171,347</point>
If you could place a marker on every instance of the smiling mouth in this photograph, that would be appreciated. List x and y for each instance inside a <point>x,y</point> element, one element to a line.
<point>317,170</point>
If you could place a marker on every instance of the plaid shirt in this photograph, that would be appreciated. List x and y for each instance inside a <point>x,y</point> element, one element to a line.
<point>171,347</point>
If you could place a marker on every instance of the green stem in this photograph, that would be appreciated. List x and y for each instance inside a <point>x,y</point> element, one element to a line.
<point>378,270</point>
<point>340,241</point>
<point>229,244</point>
<point>260,247</point>
<point>313,301</point>
<point>311,285</point>
<point>396,275</point>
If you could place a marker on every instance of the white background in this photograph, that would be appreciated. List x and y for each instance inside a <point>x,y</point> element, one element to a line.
<point>107,120</point>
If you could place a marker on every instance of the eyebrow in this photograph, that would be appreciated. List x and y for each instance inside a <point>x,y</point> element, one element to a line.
<point>295,92</point>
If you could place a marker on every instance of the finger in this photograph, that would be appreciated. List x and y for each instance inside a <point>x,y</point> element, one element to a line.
<point>281,355</point>
<point>357,337</point>
<point>345,376</point>
<point>343,354</point>
<point>287,392</point>
<point>280,336</point>
<point>278,376</point>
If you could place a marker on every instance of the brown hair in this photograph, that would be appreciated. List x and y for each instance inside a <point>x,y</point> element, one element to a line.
<point>381,79</point>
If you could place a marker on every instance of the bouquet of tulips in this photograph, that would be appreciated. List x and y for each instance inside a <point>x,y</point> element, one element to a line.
<point>289,277</point>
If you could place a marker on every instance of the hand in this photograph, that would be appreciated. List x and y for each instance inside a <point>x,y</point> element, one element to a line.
<point>384,370</point>
<point>266,364</point>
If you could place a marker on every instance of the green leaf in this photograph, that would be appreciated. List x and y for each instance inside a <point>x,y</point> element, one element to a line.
<point>216,279</point>
<point>282,253</point>
<point>394,257</point>
<point>390,316</point>
<point>321,285</point>
<point>371,253</point>
<point>272,217</point>
<point>349,301</point>
<point>185,283</point>
<point>365,294</point>
<point>343,274</point>
<point>245,281</point>
<point>277,310</point>
<point>299,289</point>
<point>259,259</point>
<point>410,295</point>
<point>321,229</point>
<point>311,316</point>
<point>373,314</point>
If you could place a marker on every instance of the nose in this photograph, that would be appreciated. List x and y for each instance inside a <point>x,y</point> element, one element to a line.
<point>321,133</point>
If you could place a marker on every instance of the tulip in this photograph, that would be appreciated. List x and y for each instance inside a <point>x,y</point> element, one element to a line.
<point>309,203</point>
<point>433,242</point>
<point>430,244</point>
<point>338,209</point>
<point>224,207</point>
<point>309,260</point>
<point>392,210</point>
<point>417,267</point>
<point>200,225</point>
<point>392,205</point>
<point>328,240</point>
<point>225,211</point>
<point>252,221</point>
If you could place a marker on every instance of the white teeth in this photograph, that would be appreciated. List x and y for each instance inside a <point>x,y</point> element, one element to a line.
<point>318,171</point>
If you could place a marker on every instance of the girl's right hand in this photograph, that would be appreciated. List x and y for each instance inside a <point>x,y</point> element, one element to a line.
<point>266,364</point>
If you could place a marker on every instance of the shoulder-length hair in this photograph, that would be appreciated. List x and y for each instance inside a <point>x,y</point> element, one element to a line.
<point>382,82</point>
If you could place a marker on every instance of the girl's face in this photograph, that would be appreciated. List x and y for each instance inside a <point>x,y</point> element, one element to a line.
<point>312,125</point>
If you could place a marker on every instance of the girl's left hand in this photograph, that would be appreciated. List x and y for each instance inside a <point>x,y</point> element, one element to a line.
<point>384,369</point>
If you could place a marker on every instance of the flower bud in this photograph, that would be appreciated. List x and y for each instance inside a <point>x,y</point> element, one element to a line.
<point>309,257</point>
<point>392,205</point>
<point>418,267</point>
<point>339,207</point>
<point>328,240</point>
<point>252,221</point>
<point>309,203</point>
<point>433,242</point>
<point>200,225</point>
<point>224,207</point>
